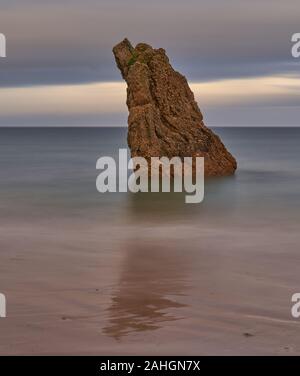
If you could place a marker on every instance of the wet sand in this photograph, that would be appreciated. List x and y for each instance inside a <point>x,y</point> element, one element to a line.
<point>84,290</point>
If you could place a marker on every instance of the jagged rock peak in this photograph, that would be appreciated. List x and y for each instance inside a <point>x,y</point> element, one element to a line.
<point>164,118</point>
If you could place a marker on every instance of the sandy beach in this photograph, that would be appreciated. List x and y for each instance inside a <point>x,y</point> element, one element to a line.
<point>83,290</point>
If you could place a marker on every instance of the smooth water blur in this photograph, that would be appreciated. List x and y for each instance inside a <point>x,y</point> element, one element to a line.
<point>105,273</point>
<point>54,169</point>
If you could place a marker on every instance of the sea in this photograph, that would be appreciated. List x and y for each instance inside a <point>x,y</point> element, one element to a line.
<point>95,273</point>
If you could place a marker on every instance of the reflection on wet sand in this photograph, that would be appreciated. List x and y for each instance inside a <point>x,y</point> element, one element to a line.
<point>150,287</point>
<point>157,206</point>
<point>220,196</point>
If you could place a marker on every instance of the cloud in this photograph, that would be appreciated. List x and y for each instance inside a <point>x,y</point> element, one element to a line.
<point>223,102</point>
<point>70,41</point>
<point>60,69</point>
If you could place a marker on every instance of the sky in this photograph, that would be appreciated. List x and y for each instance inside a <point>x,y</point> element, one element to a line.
<point>236,55</point>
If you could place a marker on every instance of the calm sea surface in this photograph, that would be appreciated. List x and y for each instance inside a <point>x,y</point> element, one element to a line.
<point>123,273</point>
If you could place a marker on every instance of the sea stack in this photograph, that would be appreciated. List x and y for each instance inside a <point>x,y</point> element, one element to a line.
<point>164,118</point>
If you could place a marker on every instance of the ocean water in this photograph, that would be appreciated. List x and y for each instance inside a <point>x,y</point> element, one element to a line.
<point>124,273</point>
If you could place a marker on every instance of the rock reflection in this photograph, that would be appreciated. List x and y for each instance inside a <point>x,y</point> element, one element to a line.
<point>158,206</point>
<point>150,288</point>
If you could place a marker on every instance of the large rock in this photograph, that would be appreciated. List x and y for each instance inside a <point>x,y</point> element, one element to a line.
<point>164,119</point>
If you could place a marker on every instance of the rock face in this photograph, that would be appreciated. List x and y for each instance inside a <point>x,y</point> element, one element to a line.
<point>164,119</point>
